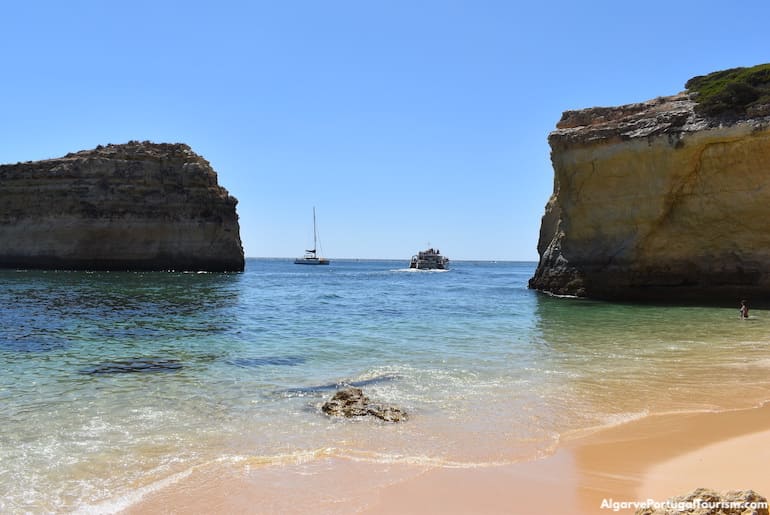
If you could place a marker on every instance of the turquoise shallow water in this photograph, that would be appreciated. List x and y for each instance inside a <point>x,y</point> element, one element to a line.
<point>113,382</point>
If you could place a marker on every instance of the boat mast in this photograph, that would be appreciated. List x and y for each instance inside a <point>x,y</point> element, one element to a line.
<point>315,246</point>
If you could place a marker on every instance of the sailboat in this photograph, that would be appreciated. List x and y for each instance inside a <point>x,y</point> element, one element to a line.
<point>311,257</point>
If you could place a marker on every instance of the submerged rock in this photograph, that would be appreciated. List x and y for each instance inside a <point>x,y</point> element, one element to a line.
<point>136,206</point>
<point>31,345</point>
<point>388,413</point>
<point>708,502</point>
<point>656,201</point>
<point>134,366</point>
<point>288,361</point>
<point>351,402</point>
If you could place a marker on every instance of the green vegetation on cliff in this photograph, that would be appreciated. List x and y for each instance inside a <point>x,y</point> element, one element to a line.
<point>734,92</point>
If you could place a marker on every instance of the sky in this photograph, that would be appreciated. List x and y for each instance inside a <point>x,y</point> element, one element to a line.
<point>407,124</point>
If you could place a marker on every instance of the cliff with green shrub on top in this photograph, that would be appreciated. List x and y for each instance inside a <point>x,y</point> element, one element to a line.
<point>663,200</point>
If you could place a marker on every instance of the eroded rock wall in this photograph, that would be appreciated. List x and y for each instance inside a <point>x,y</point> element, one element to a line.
<point>137,206</point>
<point>653,202</point>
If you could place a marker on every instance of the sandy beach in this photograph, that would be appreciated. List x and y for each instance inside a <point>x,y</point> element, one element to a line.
<point>649,459</point>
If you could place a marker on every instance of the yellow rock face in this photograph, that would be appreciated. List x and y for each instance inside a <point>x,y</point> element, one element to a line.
<point>138,206</point>
<point>652,202</point>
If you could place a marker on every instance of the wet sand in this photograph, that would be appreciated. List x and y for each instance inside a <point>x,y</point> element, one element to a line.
<point>652,458</point>
<point>661,456</point>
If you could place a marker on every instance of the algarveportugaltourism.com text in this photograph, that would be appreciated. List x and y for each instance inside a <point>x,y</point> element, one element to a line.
<point>610,504</point>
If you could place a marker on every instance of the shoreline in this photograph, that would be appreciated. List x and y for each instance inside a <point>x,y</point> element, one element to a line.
<point>651,458</point>
<point>661,456</point>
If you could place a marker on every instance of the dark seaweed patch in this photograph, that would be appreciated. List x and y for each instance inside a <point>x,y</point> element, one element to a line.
<point>288,361</point>
<point>31,345</point>
<point>132,366</point>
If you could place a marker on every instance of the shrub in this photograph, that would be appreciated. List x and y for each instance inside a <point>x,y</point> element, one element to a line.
<point>730,93</point>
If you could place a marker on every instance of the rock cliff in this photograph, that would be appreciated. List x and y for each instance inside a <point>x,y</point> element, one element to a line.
<point>137,206</point>
<point>704,501</point>
<point>656,201</point>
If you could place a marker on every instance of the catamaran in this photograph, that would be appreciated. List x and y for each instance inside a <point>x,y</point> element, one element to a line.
<point>311,256</point>
<point>430,259</point>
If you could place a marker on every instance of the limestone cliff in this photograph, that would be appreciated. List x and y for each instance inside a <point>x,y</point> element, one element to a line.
<point>656,201</point>
<point>137,206</point>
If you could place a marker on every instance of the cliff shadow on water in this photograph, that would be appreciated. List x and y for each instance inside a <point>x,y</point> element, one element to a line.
<point>129,315</point>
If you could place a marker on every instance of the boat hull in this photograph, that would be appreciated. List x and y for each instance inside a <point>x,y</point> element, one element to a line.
<point>311,261</point>
<point>428,265</point>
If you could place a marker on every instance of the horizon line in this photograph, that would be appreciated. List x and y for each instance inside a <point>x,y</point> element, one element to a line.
<point>401,259</point>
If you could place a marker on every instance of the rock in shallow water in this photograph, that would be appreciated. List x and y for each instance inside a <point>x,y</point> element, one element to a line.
<point>351,402</point>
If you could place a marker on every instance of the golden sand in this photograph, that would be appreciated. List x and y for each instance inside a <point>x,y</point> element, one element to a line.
<point>652,458</point>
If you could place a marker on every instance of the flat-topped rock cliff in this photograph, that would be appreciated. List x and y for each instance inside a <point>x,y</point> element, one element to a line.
<point>659,201</point>
<point>136,206</point>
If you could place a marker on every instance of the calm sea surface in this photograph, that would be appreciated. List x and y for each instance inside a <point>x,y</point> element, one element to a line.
<point>111,383</point>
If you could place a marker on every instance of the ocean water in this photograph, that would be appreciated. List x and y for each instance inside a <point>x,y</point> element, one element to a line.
<point>115,383</point>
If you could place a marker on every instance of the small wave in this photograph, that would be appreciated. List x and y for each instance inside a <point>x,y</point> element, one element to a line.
<point>124,501</point>
<point>607,422</point>
<point>758,363</point>
<point>618,419</point>
<point>361,456</point>
<point>558,296</point>
<point>422,460</point>
<point>571,374</point>
<point>418,271</point>
<point>301,457</point>
<point>304,390</point>
<point>291,458</point>
<point>615,420</point>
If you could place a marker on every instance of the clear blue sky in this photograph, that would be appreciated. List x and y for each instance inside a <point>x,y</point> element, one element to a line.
<point>403,122</point>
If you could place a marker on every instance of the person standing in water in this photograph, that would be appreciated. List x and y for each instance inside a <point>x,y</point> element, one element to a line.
<point>744,309</point>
